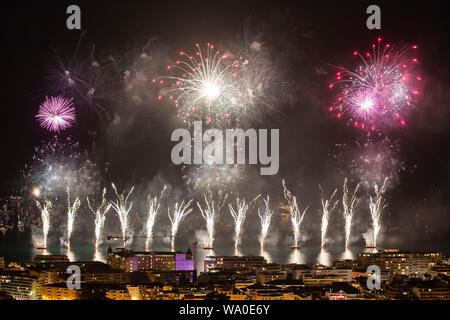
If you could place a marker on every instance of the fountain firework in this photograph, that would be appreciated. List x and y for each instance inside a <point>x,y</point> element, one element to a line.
<point>296,217</point>
<point>72,210</point>
<point>214,202</point>
<point>45,215</point>
<point>122,210</point>
<point>153,209</point>
<point>179,213</point>
<point>349,206</point>
<point>239,215</point>
<point>376,206</point>
<point>327,208</point>
<point>265,218</point>
<point>100,216</point>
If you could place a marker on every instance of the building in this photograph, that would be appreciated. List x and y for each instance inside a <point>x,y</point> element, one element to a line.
<point>131,261</point>
<point>396,262</point>
<point>233,262</point>
<point>267,276</point>
<point>298,272</point>
<point>2,262</point>
<point>59,291</point>
<point>21,285</point>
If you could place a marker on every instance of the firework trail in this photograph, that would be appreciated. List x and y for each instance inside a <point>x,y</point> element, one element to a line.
<point>376,206</point>
<point>214,202</point>
<point>100,215</point>
<point>265,218</point>
<point>56,114</point>
<point>382,90</point>
<point>72,210</point>
<point>179,213</point>
<point>153,209</point>
<point>122,209</point>
<point>296,217</point>
<point>327,208</point>
<point>349,205</point>
<point>45,215</point>
<point>239,215</point>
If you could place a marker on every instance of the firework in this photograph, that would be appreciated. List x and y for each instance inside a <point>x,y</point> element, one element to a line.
<point>122,209</point>
<point>56,114</point>
<point>327,208</point>
<point>296,217</point>
<point>72,210</point>
<point>349,206</point>
<point>239,215</point>
<point>154,204</point>
<point>100,216</point>
<point>265,218</point>
<point>381,91</point>
<point>214,202</point>
<point>45,215</point>
<point>179,213</point>
<point>376,206</point>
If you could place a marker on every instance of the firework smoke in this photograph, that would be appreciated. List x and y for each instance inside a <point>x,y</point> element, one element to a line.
<point>153,209</point>
<point>122,210</point>
<point>376,206</point>
<point>179,213</point>
<point>214,202</point>
<point>72,210</point>
<point>45,215</point>
<point>56,114</point>
<point>296,217</point>
<point>348,204</point>
<point>239,215</point>
<point>100,215</point>
<point>327,209</point>
<point>265,218</point>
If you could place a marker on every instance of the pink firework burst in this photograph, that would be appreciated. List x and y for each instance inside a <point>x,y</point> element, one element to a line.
<point>382,90</point>
<point>56,114</point>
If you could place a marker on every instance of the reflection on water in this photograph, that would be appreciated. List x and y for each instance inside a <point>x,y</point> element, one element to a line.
<point>347,255</point>
<point>324,258</point>
<point>99,256</point>
<point>297,256</point>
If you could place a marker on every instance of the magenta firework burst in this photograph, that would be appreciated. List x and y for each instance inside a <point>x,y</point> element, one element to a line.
<point>381,91</point>
<point>56,113</point>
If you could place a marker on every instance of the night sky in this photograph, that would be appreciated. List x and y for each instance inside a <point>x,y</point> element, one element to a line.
<point>303,37</point>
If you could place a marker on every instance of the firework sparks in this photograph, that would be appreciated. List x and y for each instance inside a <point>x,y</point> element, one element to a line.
<point>100,215</point>
<point>239,214</point>
<point>56,114</point>
<point>349,206</point>
<point>122,209</point>
<point>382,90</point>
<point>179,213</point>
<point>376,206</point>
<point>204,83</point>
<point>327,209</point>
<point>72,210</point>
<point>265,218</point>
<point>154,204</point>
<point>214,202</point>
<point>45,215</point>
<point>296,217</point>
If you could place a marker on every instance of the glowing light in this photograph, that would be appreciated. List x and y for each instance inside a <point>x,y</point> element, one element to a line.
<point>266,218</point>
<point>122,209</point>
<point>382,86</point>
<point>56,114</point>
<point>296,217</point>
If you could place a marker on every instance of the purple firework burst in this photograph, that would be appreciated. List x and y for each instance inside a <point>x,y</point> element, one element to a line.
<point>56,114</point>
